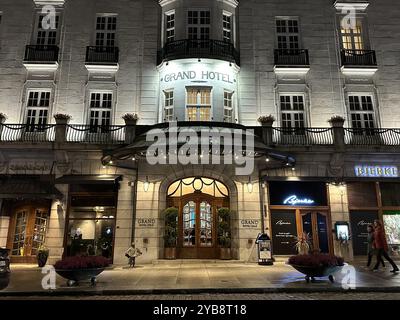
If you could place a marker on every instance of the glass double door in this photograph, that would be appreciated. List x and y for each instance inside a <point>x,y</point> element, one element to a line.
<point>315,224</point>
<point>27,232</point>
<point>197,227</point>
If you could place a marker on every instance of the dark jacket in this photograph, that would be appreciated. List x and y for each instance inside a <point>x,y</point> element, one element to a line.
<point>370,240</point>
<point>380,239</point>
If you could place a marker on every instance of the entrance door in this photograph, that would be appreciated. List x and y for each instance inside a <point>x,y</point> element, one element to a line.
<point>27,233</point>
<point>197,231</point>
<point>316,225</point>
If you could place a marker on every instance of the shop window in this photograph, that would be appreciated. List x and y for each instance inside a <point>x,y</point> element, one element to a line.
<point>37,110</point>
<point>362,114</point>
<point>391,222</point>
<point>362,194</point>
<point>100,111</point>
<point>46,36</point>
<point>91,225</point>
<point>292,113</point>
<point>170,26</point>
<point>168,106</point>
<point>359,221</point>
<point>227,27</point>
<point>198,104</point>
<point>390,193</point>
<point>287,32</point>
<point>106,26</point>
<point>228,107</point>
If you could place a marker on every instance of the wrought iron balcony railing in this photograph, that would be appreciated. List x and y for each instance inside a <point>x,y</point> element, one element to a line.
<point>102,55</point>
<point>360,58</point>
<point>291,57</point>
<point>214,49</point>
<point>118,134</point>
<point>41,54</point>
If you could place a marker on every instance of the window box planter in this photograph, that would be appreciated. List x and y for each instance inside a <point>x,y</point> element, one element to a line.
<point>78,275</point>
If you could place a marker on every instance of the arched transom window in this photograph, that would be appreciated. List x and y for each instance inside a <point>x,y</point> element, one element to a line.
<point>205,185</point>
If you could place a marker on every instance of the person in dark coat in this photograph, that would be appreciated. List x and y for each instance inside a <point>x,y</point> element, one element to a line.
<point>371,250</point>
<point>381,246</point>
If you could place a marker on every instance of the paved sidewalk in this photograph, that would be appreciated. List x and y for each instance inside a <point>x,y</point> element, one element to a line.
<point>197,277</point>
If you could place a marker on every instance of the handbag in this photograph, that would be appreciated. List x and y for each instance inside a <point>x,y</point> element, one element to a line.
<point>127,255</point>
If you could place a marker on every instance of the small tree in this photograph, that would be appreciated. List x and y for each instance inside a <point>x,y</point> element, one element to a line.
<point>224,228</point>
<point>171,226</point>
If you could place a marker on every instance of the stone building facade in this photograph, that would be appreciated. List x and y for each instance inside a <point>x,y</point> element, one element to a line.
<point>84,184</point>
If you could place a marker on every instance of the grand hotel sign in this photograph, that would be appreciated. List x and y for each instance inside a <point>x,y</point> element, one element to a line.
<point>202,76</point>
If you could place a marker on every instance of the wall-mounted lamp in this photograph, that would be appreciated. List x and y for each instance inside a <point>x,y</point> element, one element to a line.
<point>146,184</point>
<point>250,186</point>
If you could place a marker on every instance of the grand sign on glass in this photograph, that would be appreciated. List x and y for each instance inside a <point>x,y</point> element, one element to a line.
<point>376,171</point>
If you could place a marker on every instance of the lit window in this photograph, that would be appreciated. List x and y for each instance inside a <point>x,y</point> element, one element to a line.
<point>100,111</point>
<point>352,39</point>
<point>168,106</point>
<point>198,104</point>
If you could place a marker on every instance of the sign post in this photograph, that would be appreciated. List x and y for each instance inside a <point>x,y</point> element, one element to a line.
<point>264,250</point>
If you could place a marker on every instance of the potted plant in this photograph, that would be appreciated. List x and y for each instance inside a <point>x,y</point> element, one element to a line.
<point>266,120</point>
<point>62,118</point>
<point>316,265</point>
<point>337,121</point>
<point>303,244</point>
<point>130,118</point>
<point>224,233</point>
<point>80,268</point>
<point>42,255</point>
<point>171,232</point>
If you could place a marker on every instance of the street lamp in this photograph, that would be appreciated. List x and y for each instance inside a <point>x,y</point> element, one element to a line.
<point>146,184</point>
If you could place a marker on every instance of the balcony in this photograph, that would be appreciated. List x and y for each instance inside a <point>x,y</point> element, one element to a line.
<point>41,57</point>
<point>358,61</point>
<point>290,61</point>
<point>212,49</point>
<point>102,59</point>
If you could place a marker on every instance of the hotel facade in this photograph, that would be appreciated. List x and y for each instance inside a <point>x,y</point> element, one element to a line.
<point>74,171</point>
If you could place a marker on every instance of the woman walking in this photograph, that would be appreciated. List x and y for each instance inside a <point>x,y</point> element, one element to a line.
<point>371,250</point>
<point>382,247</point>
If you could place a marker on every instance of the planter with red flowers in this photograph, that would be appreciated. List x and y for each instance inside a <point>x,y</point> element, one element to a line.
<point>317,265</point>
<point>81,268</point>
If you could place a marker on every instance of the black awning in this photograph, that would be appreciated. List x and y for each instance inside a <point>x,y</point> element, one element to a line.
<point>89,179</point>
<point>28,188</point>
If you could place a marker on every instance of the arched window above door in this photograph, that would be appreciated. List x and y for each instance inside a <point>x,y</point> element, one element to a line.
<point>190,185</point>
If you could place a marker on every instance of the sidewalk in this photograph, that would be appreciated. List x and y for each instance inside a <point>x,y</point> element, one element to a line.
<point>197,277</point>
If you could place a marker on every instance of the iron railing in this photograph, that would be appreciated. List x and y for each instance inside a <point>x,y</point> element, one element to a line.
<point>41,53</point>
<point>27,132</point>
<point>102,55</point>
<point>372,136</point>
<point>291,57</point>
<point>101,134</point>
<point>358,57</point>
<point>189,48</point>
<point>303,136</point>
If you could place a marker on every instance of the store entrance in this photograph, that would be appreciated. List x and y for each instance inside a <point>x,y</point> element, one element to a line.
<point>27,231</point>
<point>315,225</point>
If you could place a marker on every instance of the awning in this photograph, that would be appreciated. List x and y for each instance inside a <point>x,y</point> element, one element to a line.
<point>89,179</point>
<point>27,188</point>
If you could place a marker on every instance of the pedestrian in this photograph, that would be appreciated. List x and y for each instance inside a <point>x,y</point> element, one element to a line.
<point>371,249</point>
<point>382,247</point>
<point>131,254</point>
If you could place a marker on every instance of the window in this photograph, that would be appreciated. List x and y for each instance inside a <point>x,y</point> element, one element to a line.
<point>362,113</point>
<point>170,27</point>
<point>47,36</point>
<point>228,106</point>
<point>198,104</point>
<point>352,39</point>
<point>292,112</point>
<point>199,25</point>
<point>37,110</point>
<point>169,106</point>
<point>106,27</point>
<point>227,27</point>
<point>100,111</point>
<point>287,31</point>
